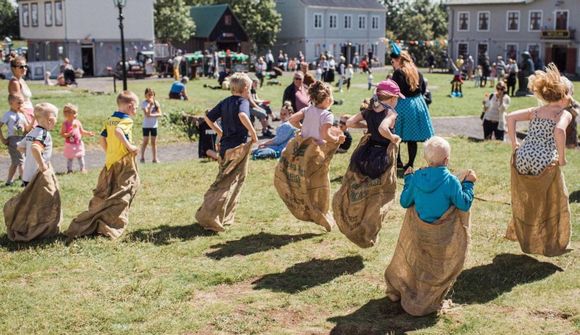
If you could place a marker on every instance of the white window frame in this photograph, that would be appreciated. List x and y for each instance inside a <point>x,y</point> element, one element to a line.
<point>48,14</point>
<point>335,16</point>
<point>378,21</point>
<point>567,21</point>
<point>530,19</point>
<point>349,21</point>
<point>507,21</point>
<point>517,49</point>
<point>458,43</point>
<point>33,11</point>
<point>58,13</point>
<point>364,21</point>
<point>321,21</point>
<point>488,20</point>
<point>539,48</point>
<point>459,21</point>
<point>25,15</point>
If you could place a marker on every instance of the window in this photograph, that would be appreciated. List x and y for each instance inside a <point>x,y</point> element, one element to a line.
<point>362,22</point>
<point>481,49</point>
<point>535,20</point>
<point>318,21</point>
<point>513,21</point>
<point>25,16</point>
<point>34,14</point>
<point>534,50</point>
<point>462,50</point>
<point>463,21</point>
<point>561,19</point>
<point>333,21</point>
<point>228,20</point>
<point>375,23</point>
<point>483,21</point>
<point>58,13</point>
<point>48,14</point>
<point>348,22</point>
<point>511,51</point>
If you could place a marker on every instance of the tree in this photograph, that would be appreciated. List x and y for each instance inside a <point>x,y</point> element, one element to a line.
<point>173,22</point>
<point>9,18</point>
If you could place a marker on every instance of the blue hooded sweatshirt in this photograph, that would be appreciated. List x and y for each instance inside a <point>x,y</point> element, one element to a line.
<point>433,190</point>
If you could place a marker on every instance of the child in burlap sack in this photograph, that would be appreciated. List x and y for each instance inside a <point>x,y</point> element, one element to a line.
<point>118,181</point>
<point>36,211</point>
<point>18,126</point>
<point>220,201</point>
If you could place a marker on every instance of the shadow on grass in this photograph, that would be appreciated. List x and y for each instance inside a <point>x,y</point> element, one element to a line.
<point>484,283</point>
<point>162,235</point>
<point>303,276</point>
<point>252,244</point>
<point>378,317</point>
<point>8,245</point>
<point>575,197</point>
<point>337,179</point>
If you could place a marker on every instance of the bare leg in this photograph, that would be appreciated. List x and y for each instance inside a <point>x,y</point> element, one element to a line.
<point>143,147</point>
<point>11,172</point>
<point>154,148</point>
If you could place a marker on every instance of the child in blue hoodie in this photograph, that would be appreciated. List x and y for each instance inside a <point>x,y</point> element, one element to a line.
<point>434,189</point>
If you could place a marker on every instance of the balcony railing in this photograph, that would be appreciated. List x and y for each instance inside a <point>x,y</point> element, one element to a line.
<point>558,34</point>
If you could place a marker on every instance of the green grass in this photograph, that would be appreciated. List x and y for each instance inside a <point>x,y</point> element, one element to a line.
<point>270,273</point>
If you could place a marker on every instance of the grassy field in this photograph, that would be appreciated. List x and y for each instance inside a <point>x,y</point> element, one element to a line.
<point>272,274</point>
<point>95,108</point>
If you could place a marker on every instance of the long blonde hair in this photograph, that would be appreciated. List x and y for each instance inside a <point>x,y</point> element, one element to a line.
<point>410,70</point>
<point>548,86</point>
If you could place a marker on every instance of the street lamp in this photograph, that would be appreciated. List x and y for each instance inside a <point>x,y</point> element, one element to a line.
<point>120,4</point>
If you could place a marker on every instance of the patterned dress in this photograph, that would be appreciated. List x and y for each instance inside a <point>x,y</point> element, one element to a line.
<point>538,149</point>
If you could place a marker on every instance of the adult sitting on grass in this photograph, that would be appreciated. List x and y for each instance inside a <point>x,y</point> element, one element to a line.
<point>178,91</point>
<point>284,133</point>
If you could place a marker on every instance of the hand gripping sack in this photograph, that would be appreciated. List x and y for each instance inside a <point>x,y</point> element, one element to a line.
<point>540,212</point>
<point>301,179</point>
<point>361,203</point>
<point>36,211</point>
<point>427,260</point>
<point>108,212</point>
<point>220,201</point>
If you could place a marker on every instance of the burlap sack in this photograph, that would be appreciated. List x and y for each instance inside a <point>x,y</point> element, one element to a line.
<point>220,201</point>
<point>540,212</point>
<point>361,203</point>
<point>301,179</point>
<point>36,211</point>
<point>108,212</point>
<point>427,260</point>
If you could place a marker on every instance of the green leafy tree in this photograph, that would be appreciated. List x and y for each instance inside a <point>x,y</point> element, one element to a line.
<point>173,22</point>
<point>9,25</point>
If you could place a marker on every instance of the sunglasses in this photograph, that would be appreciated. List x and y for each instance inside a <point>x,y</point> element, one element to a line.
<point>298,79</point>
<point>21,67</point>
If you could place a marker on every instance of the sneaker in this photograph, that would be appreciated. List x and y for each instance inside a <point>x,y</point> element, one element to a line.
<point>9,183</point>
<point>156,161</point>
<point>268,134</point>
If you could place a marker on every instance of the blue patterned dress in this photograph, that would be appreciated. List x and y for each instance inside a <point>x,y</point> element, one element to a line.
<point>413,121</point>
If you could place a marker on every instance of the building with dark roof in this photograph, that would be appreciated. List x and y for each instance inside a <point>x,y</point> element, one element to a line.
<point>336,27</point>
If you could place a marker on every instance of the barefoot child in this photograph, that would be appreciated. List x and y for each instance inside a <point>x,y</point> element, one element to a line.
<point>152,110</point>
<point>118,181</point>
<point>433,241</point>
<point>541,214</point>
<point>301,176</point>
<point>36,211</point>
<point>18,126</point>
<point>369,185</point>
<point>72,130</point>
<point>220,201</point>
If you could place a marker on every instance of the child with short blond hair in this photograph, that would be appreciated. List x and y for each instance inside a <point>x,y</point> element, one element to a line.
<point>18,126</point>
<point>434,189</point>
<point>72,130</point>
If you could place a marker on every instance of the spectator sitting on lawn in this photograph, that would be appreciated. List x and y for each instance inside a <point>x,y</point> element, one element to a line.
<point>222,78</point>
<point>178,91</point>
<point>263,104</point>
<point>284,133</point>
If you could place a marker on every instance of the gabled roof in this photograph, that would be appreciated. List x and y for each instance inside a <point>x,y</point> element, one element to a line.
<point>206,18</point>
<point>486,2</point>
<point>355,4</point>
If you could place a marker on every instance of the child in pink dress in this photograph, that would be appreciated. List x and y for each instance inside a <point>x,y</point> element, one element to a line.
<point>72,130</point>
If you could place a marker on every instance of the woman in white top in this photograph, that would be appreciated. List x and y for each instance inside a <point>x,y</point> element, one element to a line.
<point>18,86</point>
<point>494,120</point>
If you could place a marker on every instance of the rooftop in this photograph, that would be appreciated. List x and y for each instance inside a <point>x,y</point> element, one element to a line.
<point>486,2</point>
<point>366,4</point>
<point>206,18</point>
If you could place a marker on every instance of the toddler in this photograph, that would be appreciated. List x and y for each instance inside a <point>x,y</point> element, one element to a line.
<point>18,126</point>
<point>284,133</point>
<point>478,75</point>
<point>434,189</point>
<point>152,110</point>
<point>370,79</point>
<point>72,130</point>
<point>348,76</point>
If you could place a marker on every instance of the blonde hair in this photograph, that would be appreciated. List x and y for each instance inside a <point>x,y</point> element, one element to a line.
<point>14,97</point>
<point>436,150</point>
<point>44,110</point>
<point>319,92</point>
<point>548,85</point>
<point>239,82</point>
<point>127,97</point>
<point>70,108</point>
<point>410,70</point>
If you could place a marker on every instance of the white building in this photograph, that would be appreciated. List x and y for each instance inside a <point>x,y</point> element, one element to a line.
<point>85,31</point>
